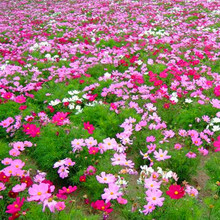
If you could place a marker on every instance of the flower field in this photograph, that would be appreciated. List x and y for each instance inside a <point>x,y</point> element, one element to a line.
<point>110,109</point>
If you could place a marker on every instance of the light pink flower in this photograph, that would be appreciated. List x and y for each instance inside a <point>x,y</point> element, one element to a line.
<point>161,155</point>
<point>154,197</point>
<point>106,178</point>
<point>111,193</point>
<point>19,188</point>
<point>38,192</point>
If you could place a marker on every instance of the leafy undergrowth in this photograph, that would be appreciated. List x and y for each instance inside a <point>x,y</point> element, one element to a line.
<point>109,110</point>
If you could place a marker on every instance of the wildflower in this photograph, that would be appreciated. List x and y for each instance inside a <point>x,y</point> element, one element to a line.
<point>216,144</point>
<point>161,155</point>
<point>102,206</point>
<point>217,90</point>
<point>50,203</point>
<point>154,197</point>
<point>2,186</point>
<point>111,193</point>
<point>39,192</point>
<point>60,206</point>
<point>191,155</point>
<point>90,170</point>
<point>15,206</point>
<point>89,127</point>
<point>19,188</point>
<point>20,99</point>
<point>151,184</point>
<point>3,177</point>
<point>122,201</point>
<point>191,191</point>
<point>106,178</point>
<point>63,172</point>
<point>27,180</point>
<point>82,178</point>
<point>60,118</point>
<point>93,150</point>
<point>175,192</point>
<point>68,190</point>
<point>148,208</point>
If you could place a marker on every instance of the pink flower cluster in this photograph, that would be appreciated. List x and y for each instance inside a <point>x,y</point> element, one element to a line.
<point>64,165</point>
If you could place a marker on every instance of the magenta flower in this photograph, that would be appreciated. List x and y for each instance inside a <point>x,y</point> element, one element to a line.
<point>20,99</point>
<point>89,127</point>
<point>15,206</point>
<point>90,170</point>
<point>60,206</point>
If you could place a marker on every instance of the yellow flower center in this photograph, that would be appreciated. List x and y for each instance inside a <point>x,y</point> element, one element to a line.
<point>176,192</point>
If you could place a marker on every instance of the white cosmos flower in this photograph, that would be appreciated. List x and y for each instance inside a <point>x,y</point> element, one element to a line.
<point>188,100</point>
<point>55,102</point>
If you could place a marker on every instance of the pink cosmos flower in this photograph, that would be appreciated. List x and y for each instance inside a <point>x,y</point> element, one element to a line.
<point>111,193</point>
<point>177,146</point>
<point>217,90</point>
<point>110,144</point>
<point>191,155</point>
<point>161,155</point>
<point>38,192</point>
<point>68,190</point>
<point>60,206</point>
<point>50,203</point>
<point>216,144</point>
<point>7,122</point>
<point>19,188</point>
<point>106,178</point>
<point>69,162</point>
<point>63,172</point>
<point>91,142</point>
<point>93,150</point>
<point>197,141</point>
<point>15,206</point>
<point>18,164</point>
<point>14,152</point>
<point>90,170</point>
<point>118,159</point>
<point>203,151</point>
<point>154,197</point>
<point>2,186</point>
<point>18,145</point>
<point>148,208</point>
<point>191,191</point>
<point>151,184</point>
<point>20,99</point>
<point>7,95</point>
<point>122,201</point>
<point>89,127</point>
<point>151,148</point>
<point>6,161</point>
<point>150,139</point>
<point>59,118</point>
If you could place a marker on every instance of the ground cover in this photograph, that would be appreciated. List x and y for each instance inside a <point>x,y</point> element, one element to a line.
<point>109,109</point>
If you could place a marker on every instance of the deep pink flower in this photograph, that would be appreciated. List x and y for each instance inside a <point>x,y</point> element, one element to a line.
<point>59,118</point>
<point>217,90</point>
<point>175,192</point>
<point>89,127</point>
<point>15,206</point>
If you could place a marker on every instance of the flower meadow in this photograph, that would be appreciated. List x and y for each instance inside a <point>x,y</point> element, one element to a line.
<point>110,109</point>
